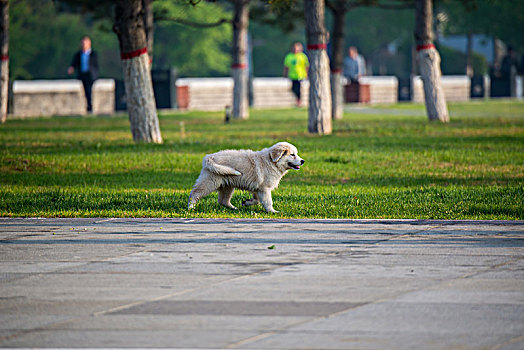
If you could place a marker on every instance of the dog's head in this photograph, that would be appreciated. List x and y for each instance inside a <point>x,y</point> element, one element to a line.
<point>285,155</point>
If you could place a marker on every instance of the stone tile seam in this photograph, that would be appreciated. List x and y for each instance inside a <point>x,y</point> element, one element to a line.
<point>491,268</point>
<point>163,297</point>
<point>246,341</point>
<point>441,282</point>
<point>290,326</point>
<point>54,325</point>
<point>123,307</point>
<point>511,341</point>
<point>270,220</point>
<point>401,235</point>
<point>313,319</point>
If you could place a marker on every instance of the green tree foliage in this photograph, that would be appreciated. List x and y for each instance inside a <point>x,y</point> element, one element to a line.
<point>44,35</point>
<point>270,46</point>
<point>383,37</point>
<point>193,50</point>
<point>503,19</point>
<point>453,62</point>
<point>43,41</point>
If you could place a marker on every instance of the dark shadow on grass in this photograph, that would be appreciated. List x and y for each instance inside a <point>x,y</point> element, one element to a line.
<point>151,179</point>
<point>477,210</point>
<point>54,201</point>
<point>383,180</point>
<point>428,203</point>
<point>43,147</point>
<point>136,179</point>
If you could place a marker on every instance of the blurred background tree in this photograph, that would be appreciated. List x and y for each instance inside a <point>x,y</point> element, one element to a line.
<point>44,39</point>
<point>195,50</point>
<point>44,34</point>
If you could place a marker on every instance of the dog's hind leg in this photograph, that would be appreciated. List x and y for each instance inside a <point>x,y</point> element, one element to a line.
<point>251,201</point>
<point>224,196</point>
<point>201,189</point>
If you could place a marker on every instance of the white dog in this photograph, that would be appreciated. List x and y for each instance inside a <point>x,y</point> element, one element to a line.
<point>258,172</point>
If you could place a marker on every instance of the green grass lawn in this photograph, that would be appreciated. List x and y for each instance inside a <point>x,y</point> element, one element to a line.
<point>388,164</point>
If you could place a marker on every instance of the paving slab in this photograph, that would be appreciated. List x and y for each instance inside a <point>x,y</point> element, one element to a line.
<point>261,284</point>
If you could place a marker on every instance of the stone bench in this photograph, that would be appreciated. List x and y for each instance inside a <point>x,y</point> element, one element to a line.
<point>214,94</point>
<point>456,88</point>
<point>357,93</point>
<point>207,94</point>
<point>35,98</point>
<point>382,89</point>
<point>103,96</point>
<point>276,92</point>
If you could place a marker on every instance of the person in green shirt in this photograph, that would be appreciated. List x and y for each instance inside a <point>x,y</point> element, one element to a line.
<point>296,65</point>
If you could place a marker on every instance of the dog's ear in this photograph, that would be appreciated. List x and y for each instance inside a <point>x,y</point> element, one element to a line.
<point>278,152</point>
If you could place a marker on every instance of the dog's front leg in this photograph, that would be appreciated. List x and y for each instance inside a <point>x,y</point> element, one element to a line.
<point>266,200</point>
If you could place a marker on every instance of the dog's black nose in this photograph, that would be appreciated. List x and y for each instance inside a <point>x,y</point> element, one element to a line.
<point>302,161</point>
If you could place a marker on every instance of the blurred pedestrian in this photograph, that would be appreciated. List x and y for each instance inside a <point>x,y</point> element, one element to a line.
<point>354,65</point>
<point>296,65</point>
<point>85,63</point>
<point>510,64</point>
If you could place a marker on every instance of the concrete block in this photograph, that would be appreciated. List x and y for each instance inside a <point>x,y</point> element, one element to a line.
<point>456,88</point>
<point>36,98</point>
<point>103,96</point>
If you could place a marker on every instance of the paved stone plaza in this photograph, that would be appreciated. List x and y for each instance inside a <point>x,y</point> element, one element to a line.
<point>261,284</point>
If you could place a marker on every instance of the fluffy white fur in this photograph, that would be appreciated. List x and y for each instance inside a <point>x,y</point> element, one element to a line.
<point>258,172</point>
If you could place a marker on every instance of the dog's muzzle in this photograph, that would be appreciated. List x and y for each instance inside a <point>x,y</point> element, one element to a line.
<point>296,166</point>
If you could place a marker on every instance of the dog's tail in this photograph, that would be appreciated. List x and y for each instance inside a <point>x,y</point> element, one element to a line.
<point>219,169</point>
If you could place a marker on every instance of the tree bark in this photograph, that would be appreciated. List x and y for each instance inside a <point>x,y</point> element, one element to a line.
<point>129,27</point>
<point>319,111</point>
<point>337,58</point>
<point>497,55</point>
<point>337,95</point>
<point>429,63</point>
<point>240,65</point>
<point>149,27</point>
<point>469,55</point>
<point>4,58</point>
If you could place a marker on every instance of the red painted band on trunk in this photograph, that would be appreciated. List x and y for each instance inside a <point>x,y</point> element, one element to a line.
<point>336,71</point>
<point>317,47</point>
<point>4,57</point>
<point>132,54</point>
<point>239,66</point>
<point>425,47</point>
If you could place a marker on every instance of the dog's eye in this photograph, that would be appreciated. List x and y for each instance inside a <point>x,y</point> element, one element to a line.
<point>292,155</point>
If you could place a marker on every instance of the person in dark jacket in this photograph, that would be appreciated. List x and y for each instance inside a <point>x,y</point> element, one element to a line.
<point>85,63</point>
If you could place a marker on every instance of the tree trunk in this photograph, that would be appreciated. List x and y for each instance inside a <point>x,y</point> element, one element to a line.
<point>337,58</point>
<point>149,27</point>
<point>4,58</point>
<point>469,55</point>
<point>429,62</point>
<point>319,111</point>
<point>240,65</point>
<point>337,95</point>
<point>129,27</point>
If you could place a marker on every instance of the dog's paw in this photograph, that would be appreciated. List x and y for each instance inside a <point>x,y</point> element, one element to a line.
<point>249,202</point>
